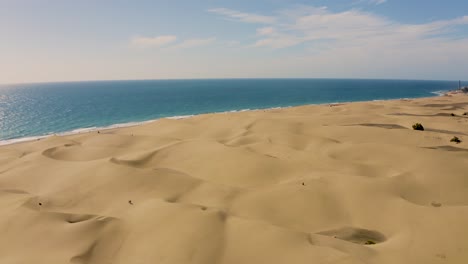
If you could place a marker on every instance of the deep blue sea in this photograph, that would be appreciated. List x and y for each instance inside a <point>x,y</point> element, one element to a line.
<point>30,110</point>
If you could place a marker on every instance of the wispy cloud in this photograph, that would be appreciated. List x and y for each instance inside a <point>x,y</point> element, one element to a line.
<point>169,42</point>
<point>266,31</point>
<point>278,42</point>
<point>369,2</point>
<point>192,43</point>
<point>158,41</point>
<point>377,2</point>
<point>312,25</point>
<point>243,17</point>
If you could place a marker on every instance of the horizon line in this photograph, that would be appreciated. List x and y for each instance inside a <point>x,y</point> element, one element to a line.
<point>232,78</point>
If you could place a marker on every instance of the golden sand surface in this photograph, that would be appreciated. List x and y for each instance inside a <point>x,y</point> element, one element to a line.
<point>347,183</point>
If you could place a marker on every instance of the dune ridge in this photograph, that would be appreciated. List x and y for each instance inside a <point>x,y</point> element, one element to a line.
<point>347,183</point>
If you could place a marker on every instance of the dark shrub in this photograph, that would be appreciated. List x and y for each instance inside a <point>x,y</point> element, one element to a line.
<point>370,242</point>
<point>418,126</point>
<point>452,114</point>
<point>456,140</point>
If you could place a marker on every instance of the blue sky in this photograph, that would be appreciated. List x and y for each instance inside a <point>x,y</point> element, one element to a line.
<point>67,40</point>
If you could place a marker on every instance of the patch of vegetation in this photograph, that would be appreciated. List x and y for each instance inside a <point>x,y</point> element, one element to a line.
<point>452,114</point>
<point>370,242</point>
<point>456,140</point>
<point>418,126</point>
<point>466,113</point>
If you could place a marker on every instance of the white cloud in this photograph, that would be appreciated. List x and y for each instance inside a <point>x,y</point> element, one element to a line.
<point>266,31</point>
<point>325,43</point>
<point>169,42</point>
<point>191,43</point>
<point>377,2</point>
<point>279,42</point>
<point>370,2</point>
<point>243,17</point>
<point>159,41</point>
<point>316,25</point>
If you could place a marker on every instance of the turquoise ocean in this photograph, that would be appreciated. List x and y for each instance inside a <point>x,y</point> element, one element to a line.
<point>28,111</point>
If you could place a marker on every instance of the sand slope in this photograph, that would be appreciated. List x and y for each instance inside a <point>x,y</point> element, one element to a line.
<point>311,184</point>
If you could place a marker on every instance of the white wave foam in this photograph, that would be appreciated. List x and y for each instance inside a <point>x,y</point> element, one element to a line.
<point>92,129</point>
<point>179,117</point>
<point>239,111</point>
<point>440,93</point>
<point>19,140</point>
<point>73,132</point>
<point>130,124</point>
<point>78,131</point>
<point>121,125</point>
<point>87,130</point>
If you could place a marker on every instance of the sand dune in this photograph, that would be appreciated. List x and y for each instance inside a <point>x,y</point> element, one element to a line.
<point>348,183</point>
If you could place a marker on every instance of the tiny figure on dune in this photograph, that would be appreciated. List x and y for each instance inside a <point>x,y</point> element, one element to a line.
<point>130,202</point>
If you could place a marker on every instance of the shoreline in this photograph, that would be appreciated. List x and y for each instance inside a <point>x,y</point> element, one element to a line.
<point>305,180</point>
<point>83,130</point>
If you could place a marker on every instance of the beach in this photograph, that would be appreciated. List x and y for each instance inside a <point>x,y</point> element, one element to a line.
<point>333,183</point>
